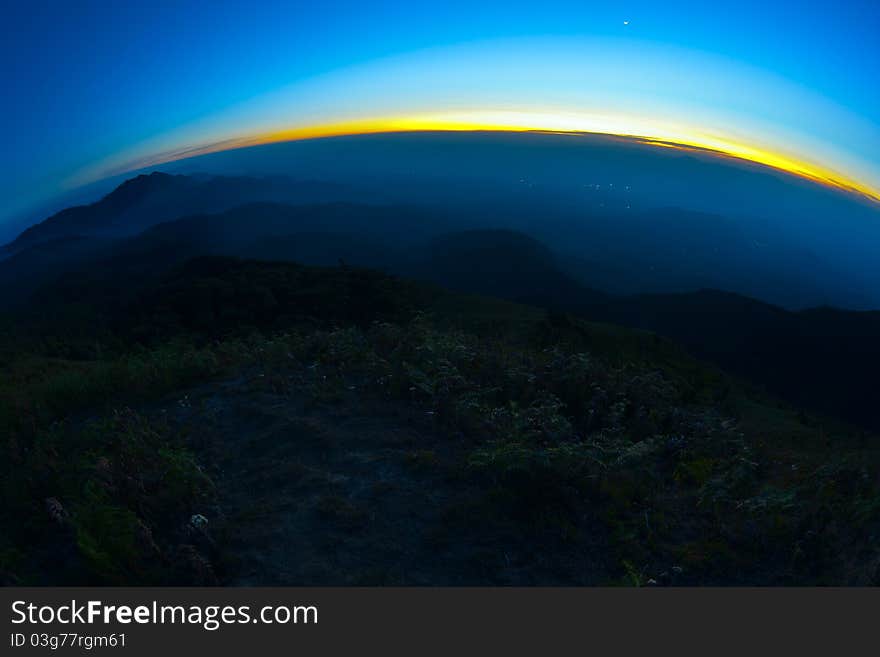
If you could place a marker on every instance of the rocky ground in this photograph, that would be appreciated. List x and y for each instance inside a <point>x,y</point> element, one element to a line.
<point>350,493</point>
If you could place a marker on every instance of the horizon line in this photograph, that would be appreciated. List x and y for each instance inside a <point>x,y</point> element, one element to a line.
<point>699,143</point>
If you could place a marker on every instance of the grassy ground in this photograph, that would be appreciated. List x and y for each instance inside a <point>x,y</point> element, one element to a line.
<point>426,438</point>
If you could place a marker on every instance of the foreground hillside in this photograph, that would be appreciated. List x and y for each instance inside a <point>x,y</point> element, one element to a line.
<point>822,360</point>
<point>244,422</point>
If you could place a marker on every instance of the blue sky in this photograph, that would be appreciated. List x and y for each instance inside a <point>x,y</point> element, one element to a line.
<point>93,85</point>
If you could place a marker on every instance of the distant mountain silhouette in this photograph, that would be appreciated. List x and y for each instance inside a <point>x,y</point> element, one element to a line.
<point>599,239</point>
<point>377,236</point>
<point>645,219</point>
<point>244,224</point>
<point>676,250</point>
<point>150,199</point>
<point>823,359</point>
<point>501,263</point>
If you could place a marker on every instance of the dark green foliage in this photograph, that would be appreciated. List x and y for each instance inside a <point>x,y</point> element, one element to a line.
<point>214,296</point>
<point>118,492</point>
<point>555,431</point>
<point>559,438</point>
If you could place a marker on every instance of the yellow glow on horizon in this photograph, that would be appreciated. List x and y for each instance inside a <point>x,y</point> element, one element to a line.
<point>643,130</point>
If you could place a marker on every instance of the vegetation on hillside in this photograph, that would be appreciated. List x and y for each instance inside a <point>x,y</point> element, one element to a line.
<point>553,436</point>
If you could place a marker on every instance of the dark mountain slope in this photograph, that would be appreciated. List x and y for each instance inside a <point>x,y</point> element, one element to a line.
<point>151,199</point>
<point>42,263</point>
<point>500,263</point>
<point>612,243</point>
<point>667,250</point>
<point>103,215</point>
<point>375,236</point>
<point>240,226</point>
<point>824,360</point>
<point>812,245</point>
<point>249,422</point>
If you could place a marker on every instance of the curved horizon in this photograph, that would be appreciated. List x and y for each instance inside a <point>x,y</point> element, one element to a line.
<point>659,93</point>
<point>519,123</point>
<point>671,77</point>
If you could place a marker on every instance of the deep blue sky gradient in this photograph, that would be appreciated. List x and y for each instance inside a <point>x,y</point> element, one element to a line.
<point>82,81</point>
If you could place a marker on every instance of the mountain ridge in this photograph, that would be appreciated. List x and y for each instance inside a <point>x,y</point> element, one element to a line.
<point>820,358</point>
<point>149,199</point>
<point>605,244</point>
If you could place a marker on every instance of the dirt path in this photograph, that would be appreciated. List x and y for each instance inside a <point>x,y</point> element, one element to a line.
<point>352,493</point>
